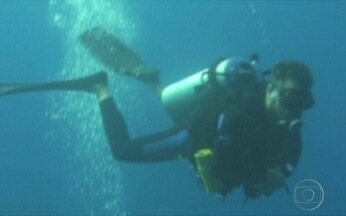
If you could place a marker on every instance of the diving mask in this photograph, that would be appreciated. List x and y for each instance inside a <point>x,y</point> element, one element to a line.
<point>295,99</point>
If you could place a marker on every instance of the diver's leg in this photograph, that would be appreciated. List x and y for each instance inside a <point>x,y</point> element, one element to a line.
<point>114,124</point>
<point>157,147</point>
<point>85,84</point>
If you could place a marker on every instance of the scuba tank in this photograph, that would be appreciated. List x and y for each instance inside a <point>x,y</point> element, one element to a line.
<point>181,98</point>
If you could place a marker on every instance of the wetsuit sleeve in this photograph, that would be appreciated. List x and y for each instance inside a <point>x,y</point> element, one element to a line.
<point>162,146</point>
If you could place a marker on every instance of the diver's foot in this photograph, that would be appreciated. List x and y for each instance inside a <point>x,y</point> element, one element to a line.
<point>100,86</point>
<point>102,92</point>
<point>88,83</point>
<point>98,79</point>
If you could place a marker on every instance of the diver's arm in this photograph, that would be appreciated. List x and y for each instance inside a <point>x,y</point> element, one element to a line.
<point>166,145</point>
<point>277,171</point>
<point>276,176</point>
<point>288,149</point>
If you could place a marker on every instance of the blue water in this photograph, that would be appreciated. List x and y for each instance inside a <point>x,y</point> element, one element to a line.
<point>54,158</point>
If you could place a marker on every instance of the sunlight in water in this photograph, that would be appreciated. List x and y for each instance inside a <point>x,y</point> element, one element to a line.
<point>98,176</point>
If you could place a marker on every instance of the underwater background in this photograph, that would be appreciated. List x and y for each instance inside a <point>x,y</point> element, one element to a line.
<point>54,157</point>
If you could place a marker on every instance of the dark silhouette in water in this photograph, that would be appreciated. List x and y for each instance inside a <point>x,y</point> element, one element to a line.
<point>236,129</point>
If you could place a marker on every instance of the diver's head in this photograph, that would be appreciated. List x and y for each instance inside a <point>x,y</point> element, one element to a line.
<point>289,94</point>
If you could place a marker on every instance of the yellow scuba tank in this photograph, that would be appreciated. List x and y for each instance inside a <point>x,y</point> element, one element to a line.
<point>204,159</point>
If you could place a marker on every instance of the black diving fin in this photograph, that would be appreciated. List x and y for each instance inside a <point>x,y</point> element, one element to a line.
<point>85,84</point>
<point>115,55</point>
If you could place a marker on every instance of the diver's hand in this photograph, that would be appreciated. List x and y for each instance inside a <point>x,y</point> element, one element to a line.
<point>275,179</point>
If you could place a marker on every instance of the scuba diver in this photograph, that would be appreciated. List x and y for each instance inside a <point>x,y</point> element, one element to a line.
<point>236,127</point>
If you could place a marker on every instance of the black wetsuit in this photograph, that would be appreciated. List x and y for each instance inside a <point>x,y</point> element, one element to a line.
<point>246,147</point>
<point>166,145</point>
<point>245,144</point>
